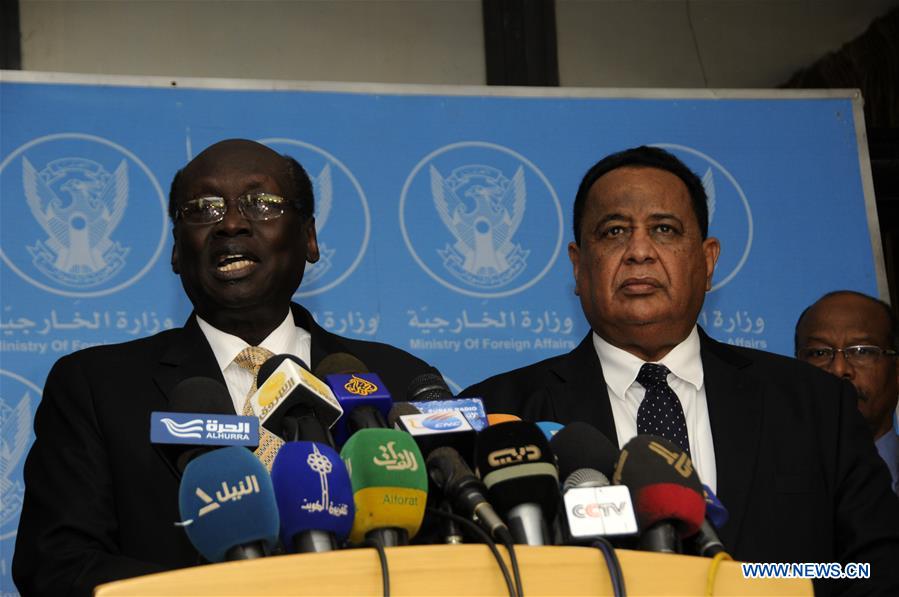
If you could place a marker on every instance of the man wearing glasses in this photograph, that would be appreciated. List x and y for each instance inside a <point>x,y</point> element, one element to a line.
<point>856,337</point>
<point>100,502</point>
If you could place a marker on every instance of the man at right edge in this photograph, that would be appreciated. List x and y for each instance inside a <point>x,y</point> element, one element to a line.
<point>780,442</point>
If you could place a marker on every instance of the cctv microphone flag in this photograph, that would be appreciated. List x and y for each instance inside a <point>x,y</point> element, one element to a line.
<point>389,479</point>
<point>226,501</point>
<point>313,491</point>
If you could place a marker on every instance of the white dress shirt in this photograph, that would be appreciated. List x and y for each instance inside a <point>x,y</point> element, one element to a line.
<point>620,369</point>
<point>287,338</point>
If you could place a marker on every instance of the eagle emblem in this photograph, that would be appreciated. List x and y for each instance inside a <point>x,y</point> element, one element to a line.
<point>78,204</point>
<point>482,209</point>
<point>15,427</point>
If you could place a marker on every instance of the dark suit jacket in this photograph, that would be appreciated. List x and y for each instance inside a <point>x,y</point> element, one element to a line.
<point>797,468</point>
<point>100,501</point>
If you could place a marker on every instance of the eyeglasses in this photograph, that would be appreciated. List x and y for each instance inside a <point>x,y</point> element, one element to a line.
<point>256,207</point>
<point>860,355</point>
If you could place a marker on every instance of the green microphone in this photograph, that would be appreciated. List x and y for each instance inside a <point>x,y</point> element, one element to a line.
<point>390,485</point>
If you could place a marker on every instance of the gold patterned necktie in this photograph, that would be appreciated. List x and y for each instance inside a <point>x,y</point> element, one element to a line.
<point>251,359</point>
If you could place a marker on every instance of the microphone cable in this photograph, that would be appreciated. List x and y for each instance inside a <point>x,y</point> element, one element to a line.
<point>382,557</point>
<point>513,559</point>
<point>614,566</point>
<point>477,530</point>
<point>713,571</point>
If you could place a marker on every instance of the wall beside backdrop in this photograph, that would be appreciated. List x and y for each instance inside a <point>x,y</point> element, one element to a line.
<point>443,214</point>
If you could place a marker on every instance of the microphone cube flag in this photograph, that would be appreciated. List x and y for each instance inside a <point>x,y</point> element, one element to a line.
<point>313,491</point>
<point>389,479</point>
<point>228,498</point>
<point>355,390</point>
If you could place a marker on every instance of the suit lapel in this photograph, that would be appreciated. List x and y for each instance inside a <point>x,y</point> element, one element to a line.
<point>190,356</point>
<point>582,394</point>
<point>735,412</point>
<point>323,341</point>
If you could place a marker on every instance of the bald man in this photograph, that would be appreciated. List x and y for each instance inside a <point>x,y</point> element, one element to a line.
<point>855,336</point>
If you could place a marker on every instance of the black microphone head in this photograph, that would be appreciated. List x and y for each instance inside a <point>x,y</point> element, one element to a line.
<point>516,463</point>
<point>451,474</point>
<point>201,395</point>
<point>663,483</point>
<point>339,363</point>
<point>581,445</point>
<point>398,410</point>
<point>428,386</point>
<point>269,366</point>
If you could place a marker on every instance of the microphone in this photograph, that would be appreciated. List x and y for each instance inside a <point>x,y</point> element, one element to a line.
<point>292,403</point>
<point>497,418</point>
<point>429,393</point>
<point>582,446</point>
<point>706,542</point>
<point>435,430</point>
<point>518,468</point>
<point>549,428</point>
<point>397,411</point>
<point>201,419</point>
<point>667,493</point>
<point>228,505</point>
<point>363,397</point>
<point>427,387</point>
<point>593,508</point>
<point>465,491</point>
<point>390,485</point>
<point>314,495</point>
<point>715,511</point>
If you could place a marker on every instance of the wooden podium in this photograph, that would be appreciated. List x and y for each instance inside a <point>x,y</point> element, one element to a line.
<point>453,570</point>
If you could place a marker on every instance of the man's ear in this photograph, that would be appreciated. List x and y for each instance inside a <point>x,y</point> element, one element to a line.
<point>711,249</point>
<point>311,241</point>
<point>574,256</point>
<point>176,267</point>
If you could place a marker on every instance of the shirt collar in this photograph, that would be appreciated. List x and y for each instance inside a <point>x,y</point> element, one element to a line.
<point>620,368</point>
<point>226,346</point>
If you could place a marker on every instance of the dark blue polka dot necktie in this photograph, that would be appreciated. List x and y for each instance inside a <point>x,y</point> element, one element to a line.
<point>661,412</point>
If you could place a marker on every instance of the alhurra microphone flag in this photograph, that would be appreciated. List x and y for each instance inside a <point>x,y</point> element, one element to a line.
<point>390,482</point>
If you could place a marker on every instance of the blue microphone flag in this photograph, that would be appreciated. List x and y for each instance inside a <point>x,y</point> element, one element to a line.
<point>226,499</point>
<point>203,429</point>
<point>313,491</point>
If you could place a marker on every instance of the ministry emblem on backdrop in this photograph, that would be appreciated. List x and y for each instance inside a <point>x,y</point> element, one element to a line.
<point>82,216</point>
<point>342,240</point>
<point>481,219</point>
<point>17,399</point>
<point>730,216</point>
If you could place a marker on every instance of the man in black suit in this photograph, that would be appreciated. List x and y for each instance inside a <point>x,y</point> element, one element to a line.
<point>780,443</point>
<point>100,502</point>
<point>856,337</point>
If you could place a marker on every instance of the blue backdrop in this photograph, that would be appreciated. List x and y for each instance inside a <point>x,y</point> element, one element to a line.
<point>443,217</point>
